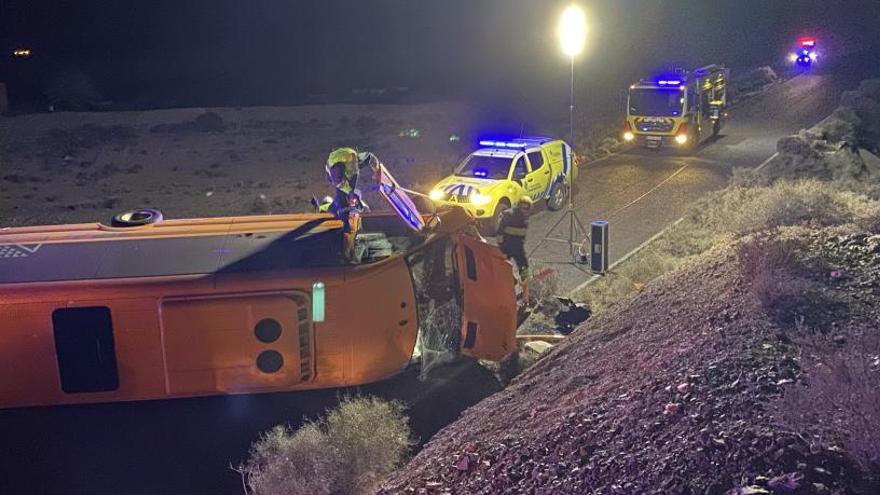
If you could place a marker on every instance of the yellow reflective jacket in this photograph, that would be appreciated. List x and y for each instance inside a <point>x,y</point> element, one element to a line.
<point>354,161</point>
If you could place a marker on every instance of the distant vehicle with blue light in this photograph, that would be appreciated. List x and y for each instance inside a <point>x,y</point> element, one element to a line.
<point>806,54</point>
<point>678,110</point>
<point>499,173</point>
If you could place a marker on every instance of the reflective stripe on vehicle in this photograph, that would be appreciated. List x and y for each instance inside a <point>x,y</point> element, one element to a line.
<point>515,231</point>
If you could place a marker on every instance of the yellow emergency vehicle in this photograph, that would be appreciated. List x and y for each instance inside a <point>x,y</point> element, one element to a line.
<point>679,110</point>
<point>499,173</point>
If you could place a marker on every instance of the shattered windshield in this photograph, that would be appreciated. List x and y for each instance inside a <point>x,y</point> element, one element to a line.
<point>439,303</point>
<point>485,167</point>
<point>656,102</point>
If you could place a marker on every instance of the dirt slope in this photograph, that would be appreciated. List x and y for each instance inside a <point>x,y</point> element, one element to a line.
<point>670,392</point>
<point>83,167</point>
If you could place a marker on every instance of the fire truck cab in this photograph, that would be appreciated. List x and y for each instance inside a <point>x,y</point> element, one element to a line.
<point>679,110</point>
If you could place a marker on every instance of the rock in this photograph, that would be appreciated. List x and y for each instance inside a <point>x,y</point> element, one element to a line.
<point>785,483</point>
<point>464,464</point>
<point>538,346</point>
<point>684,388</point>
<point>671,409</point>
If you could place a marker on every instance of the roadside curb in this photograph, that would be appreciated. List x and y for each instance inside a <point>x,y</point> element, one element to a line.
<point>626,256</point>
<point>646,243</point>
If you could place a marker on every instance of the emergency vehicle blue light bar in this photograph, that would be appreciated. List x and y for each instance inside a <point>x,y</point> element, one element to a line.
<point>481,172</point>
<point>502,144</point>
<point>665,82</point>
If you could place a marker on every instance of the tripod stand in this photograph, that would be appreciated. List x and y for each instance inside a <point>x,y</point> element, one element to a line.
<point>576,235</point>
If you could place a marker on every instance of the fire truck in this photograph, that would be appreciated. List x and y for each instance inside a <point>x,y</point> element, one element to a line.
<point>678,110</point>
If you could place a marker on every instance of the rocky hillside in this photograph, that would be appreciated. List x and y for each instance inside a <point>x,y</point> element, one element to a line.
<point>727,376</point>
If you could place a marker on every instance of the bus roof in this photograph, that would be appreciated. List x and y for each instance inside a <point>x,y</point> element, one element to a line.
<point>172,247</point>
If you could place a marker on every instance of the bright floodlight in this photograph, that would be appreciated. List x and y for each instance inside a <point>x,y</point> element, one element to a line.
<point>572,30</point>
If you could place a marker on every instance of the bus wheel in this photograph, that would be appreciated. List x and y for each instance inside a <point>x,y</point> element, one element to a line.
<point>137,218</point>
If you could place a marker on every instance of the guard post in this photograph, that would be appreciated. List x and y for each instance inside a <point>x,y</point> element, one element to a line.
<point>599,247</point>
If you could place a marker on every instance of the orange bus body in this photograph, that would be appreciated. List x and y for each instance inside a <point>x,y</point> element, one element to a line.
<point>185,308</point>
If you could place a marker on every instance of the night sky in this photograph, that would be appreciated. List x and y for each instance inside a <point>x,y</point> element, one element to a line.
<point>236,52</point>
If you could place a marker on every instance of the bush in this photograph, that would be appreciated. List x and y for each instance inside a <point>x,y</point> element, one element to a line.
<point>372,437</point>
<point>838,399</point>
<point>291,463</point>
<point>73,90</point>
<point>742,210</point>
<point>728,214</point>
<point>350,451</point>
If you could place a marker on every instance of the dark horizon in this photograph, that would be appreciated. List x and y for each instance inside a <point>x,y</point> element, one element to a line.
<point>165,54</point>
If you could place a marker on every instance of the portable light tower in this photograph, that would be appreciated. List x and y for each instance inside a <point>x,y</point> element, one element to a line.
<point>572,33</point>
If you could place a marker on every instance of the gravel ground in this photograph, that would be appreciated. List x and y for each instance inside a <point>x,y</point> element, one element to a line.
<point>674,391</point>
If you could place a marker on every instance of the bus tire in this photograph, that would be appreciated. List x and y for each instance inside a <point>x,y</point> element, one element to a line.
<point>137,218</point>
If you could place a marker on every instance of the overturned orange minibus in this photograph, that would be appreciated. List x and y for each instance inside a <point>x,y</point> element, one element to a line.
<point>184,308</point>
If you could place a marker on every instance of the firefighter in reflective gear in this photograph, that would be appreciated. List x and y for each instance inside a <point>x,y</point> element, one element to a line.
<point>342,170</point>
<point>512,227</point>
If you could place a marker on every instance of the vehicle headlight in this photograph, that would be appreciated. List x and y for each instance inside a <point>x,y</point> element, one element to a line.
<point>792,57</point>
<point>436,194</point>
<point>480,199</point>
<point>813,56</point>
<point>681,138</point>
<point>628,136</point>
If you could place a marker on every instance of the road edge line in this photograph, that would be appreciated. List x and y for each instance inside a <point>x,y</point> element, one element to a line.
<point>626,256</point>
<point>650,240</point>
<point>765,162</point>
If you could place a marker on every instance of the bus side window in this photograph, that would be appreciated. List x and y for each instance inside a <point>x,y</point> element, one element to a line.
<point>85,349</point>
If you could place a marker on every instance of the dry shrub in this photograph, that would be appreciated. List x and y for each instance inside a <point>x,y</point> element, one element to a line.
<point>728,214</point>
<point>291,463</point>
<point>349,452</point>
<point>372,438</point>
<point>742,210</point>
<point>838,399</point>
<point>770,271</point>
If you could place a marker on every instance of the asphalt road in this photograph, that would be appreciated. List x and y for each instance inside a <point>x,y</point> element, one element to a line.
<point>641,191</point>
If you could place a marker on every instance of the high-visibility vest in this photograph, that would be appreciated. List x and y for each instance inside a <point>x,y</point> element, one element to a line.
<point>353,161</point>
<point>512,224</point>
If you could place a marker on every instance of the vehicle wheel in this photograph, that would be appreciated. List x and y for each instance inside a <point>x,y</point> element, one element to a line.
<point>489,226</point>
<point>137,218</point>
<point>716,128</point>
<point>557,196</point>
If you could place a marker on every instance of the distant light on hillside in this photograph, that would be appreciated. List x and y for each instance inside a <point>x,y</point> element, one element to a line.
<point>21,52</point>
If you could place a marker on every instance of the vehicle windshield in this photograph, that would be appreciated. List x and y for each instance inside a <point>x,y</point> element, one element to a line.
<point>656,102</point>
<point>484,167</point>
<point>438,303</point>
